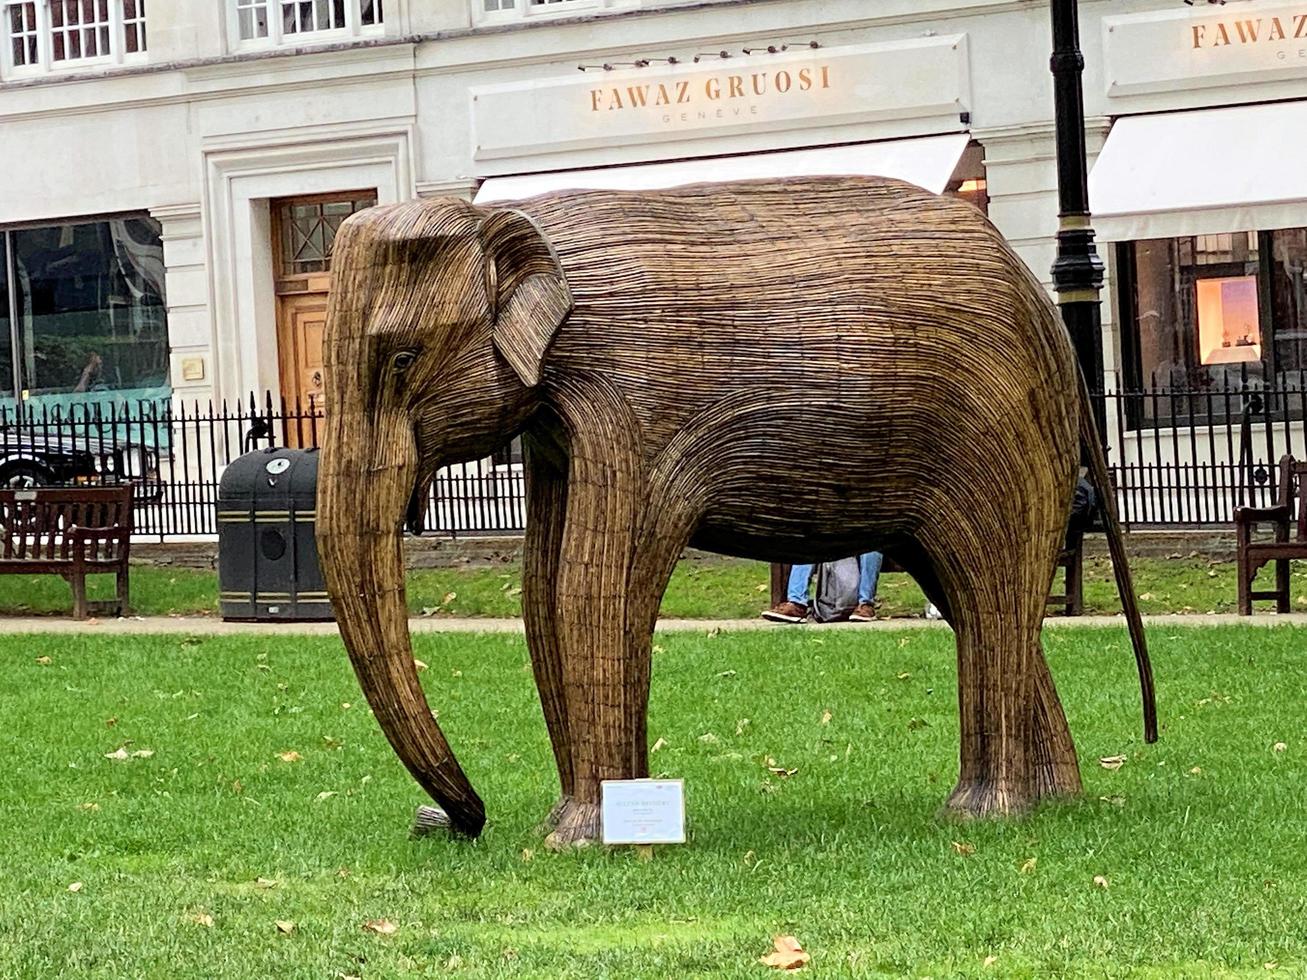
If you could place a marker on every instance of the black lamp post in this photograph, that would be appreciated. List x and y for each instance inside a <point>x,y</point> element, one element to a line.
<point>1078,271</point>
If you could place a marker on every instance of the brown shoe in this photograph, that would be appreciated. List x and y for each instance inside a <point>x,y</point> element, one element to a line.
<point>864,613</point>
<point>787,612</point>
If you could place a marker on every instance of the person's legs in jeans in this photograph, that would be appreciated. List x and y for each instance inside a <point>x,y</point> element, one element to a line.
<point>797,589</point>
<point>868,576</point>
<point>795,607</point>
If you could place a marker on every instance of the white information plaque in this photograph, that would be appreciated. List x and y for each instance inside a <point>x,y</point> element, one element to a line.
<point>643,811</point>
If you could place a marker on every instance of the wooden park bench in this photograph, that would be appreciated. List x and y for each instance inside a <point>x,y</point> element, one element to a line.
<point>73,532</point>
<point>1071,560</point>
<point>1290,525</point>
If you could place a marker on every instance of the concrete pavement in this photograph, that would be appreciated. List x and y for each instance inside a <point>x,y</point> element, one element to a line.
<point>213,626</point>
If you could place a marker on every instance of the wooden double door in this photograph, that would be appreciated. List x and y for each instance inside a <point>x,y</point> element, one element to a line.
<point>303,231</point>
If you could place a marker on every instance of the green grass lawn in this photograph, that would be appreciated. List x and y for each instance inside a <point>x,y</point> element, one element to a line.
<point>712,589</point>
<point>1199,839</point>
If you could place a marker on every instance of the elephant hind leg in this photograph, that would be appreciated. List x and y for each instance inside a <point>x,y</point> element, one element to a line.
<point>1056,770</point>
<point>1015,745</point>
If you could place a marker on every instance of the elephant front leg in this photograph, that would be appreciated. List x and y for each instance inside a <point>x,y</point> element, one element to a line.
<point>546,506</point>
<point>603,690</point>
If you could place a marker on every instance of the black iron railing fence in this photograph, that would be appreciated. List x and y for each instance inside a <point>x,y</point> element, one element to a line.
<point>175,453</point>
<point>1177,456</point>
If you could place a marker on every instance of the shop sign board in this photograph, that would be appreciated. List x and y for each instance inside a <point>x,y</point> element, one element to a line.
<point>795,89</point>
<point>1232,44</point>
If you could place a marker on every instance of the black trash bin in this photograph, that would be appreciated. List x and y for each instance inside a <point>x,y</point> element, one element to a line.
<point>267,556</point>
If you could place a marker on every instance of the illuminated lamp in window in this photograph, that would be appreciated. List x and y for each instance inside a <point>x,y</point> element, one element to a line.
<point>1229,329</point>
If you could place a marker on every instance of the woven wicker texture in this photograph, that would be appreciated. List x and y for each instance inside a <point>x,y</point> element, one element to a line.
<point>790,371</point>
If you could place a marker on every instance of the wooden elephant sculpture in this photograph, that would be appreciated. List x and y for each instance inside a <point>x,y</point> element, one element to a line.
<point>667,357</point>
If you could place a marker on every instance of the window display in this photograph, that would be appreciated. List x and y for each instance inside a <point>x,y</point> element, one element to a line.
<point>1211,314</point>
<point>85,309</point>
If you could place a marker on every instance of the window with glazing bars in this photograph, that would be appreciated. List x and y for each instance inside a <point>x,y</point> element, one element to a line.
<point>20,20</point>
<point>133,26</point>
<point>252,18</point>
<point>79,29</point>
<point>303,16</point>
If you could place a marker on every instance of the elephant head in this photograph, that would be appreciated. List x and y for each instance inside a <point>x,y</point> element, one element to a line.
<point>438,321</point>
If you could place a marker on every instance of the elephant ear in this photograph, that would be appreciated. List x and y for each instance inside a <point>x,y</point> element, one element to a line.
<point>529,298</point>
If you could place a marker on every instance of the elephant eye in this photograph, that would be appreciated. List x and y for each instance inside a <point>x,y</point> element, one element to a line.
<point>403,360</point>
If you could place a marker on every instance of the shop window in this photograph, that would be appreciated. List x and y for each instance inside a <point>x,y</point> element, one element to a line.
<point>51,34</point>
<point>1213,314</point>
<point>6,322</point>
<point>85,311</point>
<point>287,21</point>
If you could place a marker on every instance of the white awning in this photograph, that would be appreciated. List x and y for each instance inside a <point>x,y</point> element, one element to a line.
<point>928,161</point>
<point>1202,172</point>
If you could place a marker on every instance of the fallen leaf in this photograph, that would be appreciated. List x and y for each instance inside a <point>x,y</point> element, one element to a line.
<point>345,706</point>
<point>142,753</point>
<point>656,649</point>
<point>761,587</point>
<point>1196,771</point>
<point>75,887</point>
<point>382,927</point>
<point>990,961</point>
<point>708,738</point>
<point>528,855</point>
<point>787,954</point>
<point>727,673</point>
<point>1146,596</point>
<point>449,597</point>
<point>326,794</point>
<point>203,919</point>
<point>750,858</point>
<point>110,722</point>
<point>715,631</point>
<point>782,771</point>
<point>1270,965</point>
<point>963,848</point>
<point>1280,747</point>
<point>1112,762</point>
<point>658,745</point>
<point>741,725</point>
<point>265,883</point>
<point>1100,881</point>
<point>1028,866</point>
<point>1114,800</point>
<point>119,754</point>
<point>904,675</point>
<point>825,717</point>
<point>44,661</point>
<point>454,962</point>
<point>419,665</point>
<point>285,927</point>
<point>291,756</point>
<point>88,806</point>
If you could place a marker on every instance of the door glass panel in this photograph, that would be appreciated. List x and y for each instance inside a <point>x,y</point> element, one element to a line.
<point>308,231</point>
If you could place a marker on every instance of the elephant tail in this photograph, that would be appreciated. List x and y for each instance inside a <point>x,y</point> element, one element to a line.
<point>1092,446</point>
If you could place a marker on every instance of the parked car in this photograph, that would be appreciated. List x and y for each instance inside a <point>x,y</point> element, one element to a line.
<point>32,457</point>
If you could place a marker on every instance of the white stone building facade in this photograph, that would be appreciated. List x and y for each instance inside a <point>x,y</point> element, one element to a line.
<point>172,169</point>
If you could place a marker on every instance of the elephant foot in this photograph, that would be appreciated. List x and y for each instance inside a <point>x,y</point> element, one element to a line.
<point>577,826</point>
<point>981,799</point>
<point>1057,778</point>
<point>547,825</point>
<point>429,820</point>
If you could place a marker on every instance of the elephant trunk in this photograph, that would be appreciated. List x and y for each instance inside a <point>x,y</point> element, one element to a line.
<point>367,472</point>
